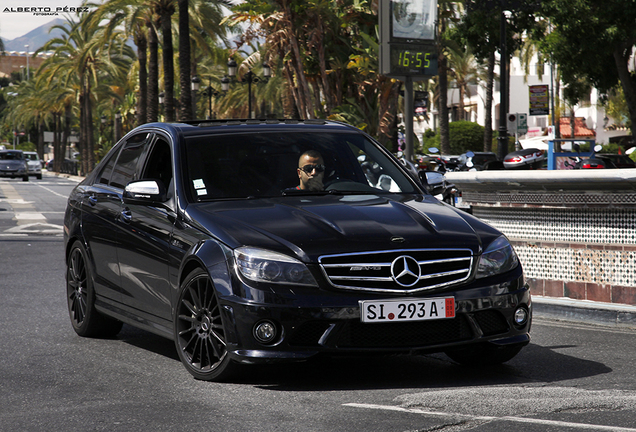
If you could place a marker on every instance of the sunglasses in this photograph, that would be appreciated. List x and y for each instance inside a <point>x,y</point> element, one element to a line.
<point>309,168</point>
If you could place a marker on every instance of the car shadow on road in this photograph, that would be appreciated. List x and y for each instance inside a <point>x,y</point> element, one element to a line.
<point>535,364</point>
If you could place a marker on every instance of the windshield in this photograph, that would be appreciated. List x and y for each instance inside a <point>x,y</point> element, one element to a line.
<point>289,163</point>
<point>31,156</point>
<point>11,155</point>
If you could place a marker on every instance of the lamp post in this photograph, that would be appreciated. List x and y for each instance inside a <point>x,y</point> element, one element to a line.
<point>27,60</point>
<point>502,139</point>
<point>209,92</point>
<point>195,85</point>
<point>117,127</point>
<point>249,78</point>
<point>162,97</point>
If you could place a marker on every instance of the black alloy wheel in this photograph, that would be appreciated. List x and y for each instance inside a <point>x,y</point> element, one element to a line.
<point>80,296</point>
<point>200,335</point>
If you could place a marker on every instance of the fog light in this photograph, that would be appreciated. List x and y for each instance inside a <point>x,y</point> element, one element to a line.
<point>521,316</point>
<point>265,332</point>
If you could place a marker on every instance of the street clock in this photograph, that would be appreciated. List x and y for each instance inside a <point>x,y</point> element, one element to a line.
<point>407,38</point>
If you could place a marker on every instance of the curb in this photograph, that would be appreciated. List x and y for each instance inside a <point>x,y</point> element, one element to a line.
<point>584,311</point>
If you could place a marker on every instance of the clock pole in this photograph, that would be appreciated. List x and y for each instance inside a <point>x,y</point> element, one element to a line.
<point>408,118</point>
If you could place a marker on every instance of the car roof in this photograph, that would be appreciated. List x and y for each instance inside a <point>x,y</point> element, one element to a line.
<point>223,126</point>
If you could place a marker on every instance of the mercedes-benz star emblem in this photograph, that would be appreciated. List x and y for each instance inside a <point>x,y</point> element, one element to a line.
<point>405,271</point>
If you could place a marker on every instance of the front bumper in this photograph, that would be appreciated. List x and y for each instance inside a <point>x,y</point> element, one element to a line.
<point>13,173</point>
<point>305,329</point>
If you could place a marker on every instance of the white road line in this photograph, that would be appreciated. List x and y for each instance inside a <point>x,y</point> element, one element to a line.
<point>29,216</point>
<point>53,192</point>
<point>493,418</point>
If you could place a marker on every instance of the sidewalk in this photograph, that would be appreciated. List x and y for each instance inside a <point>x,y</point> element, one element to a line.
<point>68,176</point>
<point>583,311</point>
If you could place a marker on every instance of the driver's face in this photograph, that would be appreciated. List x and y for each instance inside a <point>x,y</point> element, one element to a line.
<point>313,179</point>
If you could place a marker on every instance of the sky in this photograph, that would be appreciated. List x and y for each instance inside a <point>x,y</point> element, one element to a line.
<point>15,22</point>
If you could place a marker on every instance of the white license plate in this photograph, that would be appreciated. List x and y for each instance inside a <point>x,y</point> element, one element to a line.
<point>372,311</point>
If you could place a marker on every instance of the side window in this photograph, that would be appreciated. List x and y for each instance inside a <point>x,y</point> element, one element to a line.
<point>159,163</point>
<point>125,169</point>
<point>104,176</point>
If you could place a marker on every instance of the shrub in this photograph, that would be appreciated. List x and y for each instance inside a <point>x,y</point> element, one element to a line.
<point>464,136</point>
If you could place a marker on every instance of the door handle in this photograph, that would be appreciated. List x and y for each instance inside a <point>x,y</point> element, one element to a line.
<point>126,215</point>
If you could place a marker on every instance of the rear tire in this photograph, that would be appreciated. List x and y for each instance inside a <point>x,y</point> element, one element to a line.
<point>199,331</point>
<point>80,296</point>
<point>484,354</point>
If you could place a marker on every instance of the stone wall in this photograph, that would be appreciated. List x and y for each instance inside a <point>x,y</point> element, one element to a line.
<point>574,231</point>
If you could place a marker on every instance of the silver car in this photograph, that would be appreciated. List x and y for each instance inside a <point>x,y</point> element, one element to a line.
<point>34,164</point>
<point>13,164</point>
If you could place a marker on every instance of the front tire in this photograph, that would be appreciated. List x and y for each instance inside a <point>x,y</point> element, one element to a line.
<point>80,296</point>
<point>199,331</point>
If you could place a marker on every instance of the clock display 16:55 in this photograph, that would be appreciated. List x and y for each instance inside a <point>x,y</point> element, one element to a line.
<point>414,59</point>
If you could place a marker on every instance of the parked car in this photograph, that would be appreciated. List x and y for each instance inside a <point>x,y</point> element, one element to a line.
<point>13,164</point>
<point>34,164</point>
<point>531,158</point>
<point>475,161</point>
<point>619,161</point>
<point>203,233</point>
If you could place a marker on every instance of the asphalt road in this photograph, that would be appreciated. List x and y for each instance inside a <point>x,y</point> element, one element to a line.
<point>571,377</point>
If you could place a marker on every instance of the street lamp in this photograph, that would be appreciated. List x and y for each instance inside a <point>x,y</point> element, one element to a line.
<point>209,92</point>
<point>27,60</point>
<point>195,84</point>
<point>249,78</point>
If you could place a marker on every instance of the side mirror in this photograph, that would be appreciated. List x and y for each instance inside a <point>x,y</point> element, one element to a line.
<point>433,181</point>
<point>144,192</point>
<point>598,148</point>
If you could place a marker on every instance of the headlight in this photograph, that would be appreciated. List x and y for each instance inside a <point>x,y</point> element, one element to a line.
<point>499,257</point>
<point>262,265</point>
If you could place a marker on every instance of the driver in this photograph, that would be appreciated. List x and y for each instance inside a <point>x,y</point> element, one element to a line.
<point>311,170</point>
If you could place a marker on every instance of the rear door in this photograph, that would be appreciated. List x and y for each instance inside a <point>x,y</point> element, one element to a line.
<point>101,213</point>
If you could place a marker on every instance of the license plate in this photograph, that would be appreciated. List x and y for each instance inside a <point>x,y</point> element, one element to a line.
<point>372,311</point>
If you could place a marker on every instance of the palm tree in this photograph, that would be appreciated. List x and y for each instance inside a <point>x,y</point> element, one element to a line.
<point>447,16</point>
<point>464,70</point>
<point>82,56</point>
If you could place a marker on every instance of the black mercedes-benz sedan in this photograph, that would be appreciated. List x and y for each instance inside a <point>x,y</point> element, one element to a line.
<point>260,241</point>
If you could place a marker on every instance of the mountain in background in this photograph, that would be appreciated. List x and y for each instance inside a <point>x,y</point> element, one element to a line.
<point>35,38</point>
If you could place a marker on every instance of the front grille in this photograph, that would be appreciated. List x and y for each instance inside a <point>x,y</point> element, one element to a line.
<point>398,271</point>
<point>403,335</point>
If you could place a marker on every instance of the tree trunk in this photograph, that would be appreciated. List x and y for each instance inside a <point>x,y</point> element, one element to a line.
<point>185,97</point>
<point>488,107</point>
<point>303,91</point>
<point>621,57</point>
<point>142,101</point>
<point>168,65</point>
<point>389,92</point>
<point>153,74</point>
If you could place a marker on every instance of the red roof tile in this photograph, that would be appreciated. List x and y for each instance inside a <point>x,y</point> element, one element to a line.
<point>580,128</point>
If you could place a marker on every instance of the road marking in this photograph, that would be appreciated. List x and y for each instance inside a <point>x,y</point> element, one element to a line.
<point>492,418</point>
<point>29,216</point>
<point>34,228</point>
<point>53,192</point>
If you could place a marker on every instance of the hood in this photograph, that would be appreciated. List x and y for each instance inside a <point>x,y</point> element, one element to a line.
<point>11,163</point>
<point>309,227</point>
